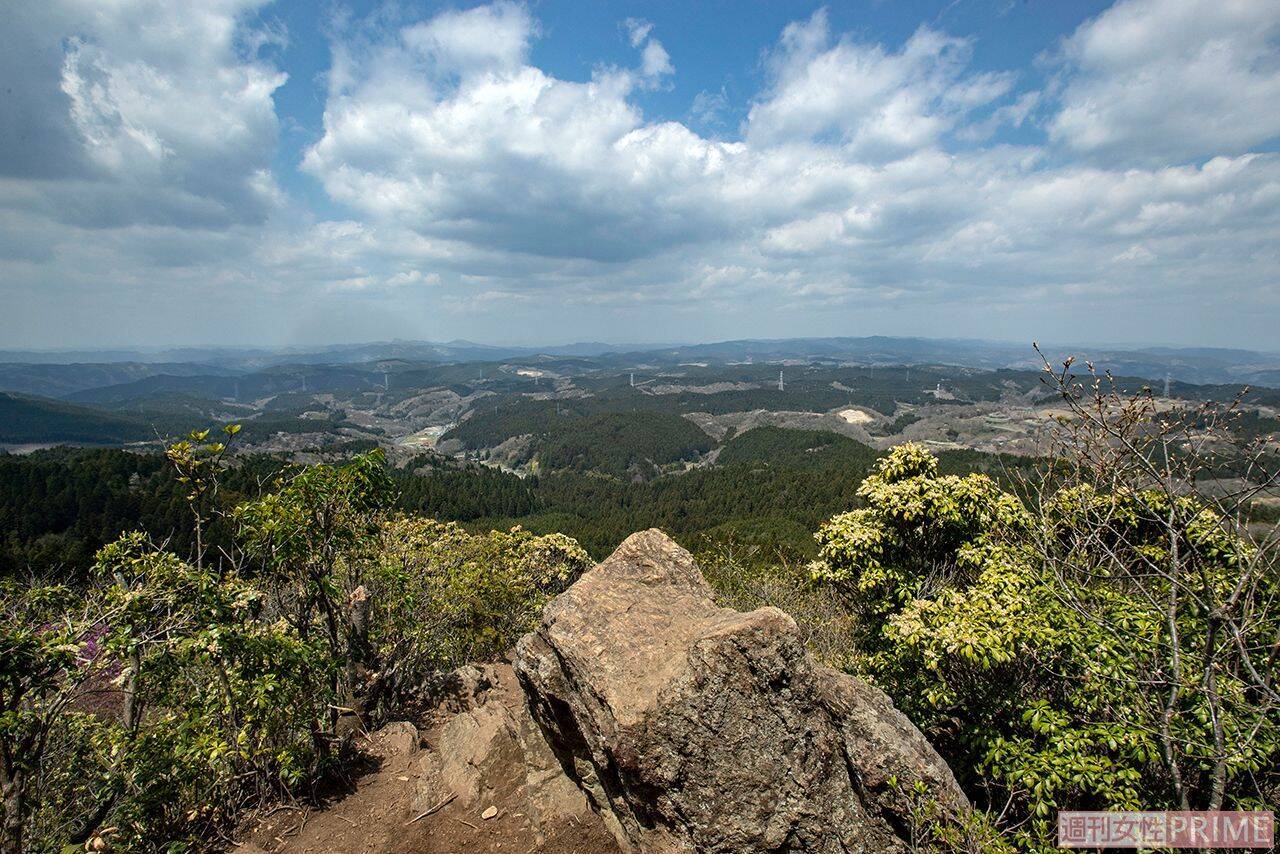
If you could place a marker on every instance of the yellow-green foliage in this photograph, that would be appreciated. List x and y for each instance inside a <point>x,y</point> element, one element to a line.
<point>235,672</point>
<point>474,593</point>
<point>1035,647</point>
<point>909,539</point>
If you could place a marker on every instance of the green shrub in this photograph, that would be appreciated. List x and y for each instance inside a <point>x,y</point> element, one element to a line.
<point>474,594</point>
<point>1067,658</point>
<point>152,709</point>
<point>223,697</point>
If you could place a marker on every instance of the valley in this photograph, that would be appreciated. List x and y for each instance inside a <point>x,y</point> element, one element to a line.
<point>533,412</point>
<point>707,445</point>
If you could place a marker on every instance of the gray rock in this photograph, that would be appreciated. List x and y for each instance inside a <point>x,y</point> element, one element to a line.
<point>699,728</point>
<point>491,749</point>
<point>399,738</point>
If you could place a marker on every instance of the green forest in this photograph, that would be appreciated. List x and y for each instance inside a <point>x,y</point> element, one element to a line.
<point>770,490</point>
<point>191,637</point>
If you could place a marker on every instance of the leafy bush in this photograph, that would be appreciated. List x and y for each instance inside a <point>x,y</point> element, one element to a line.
<point>159,698</point>
<point>151,709</point>
<point>475,594</point>
<point>1070,657</point>
<point>220,698</point>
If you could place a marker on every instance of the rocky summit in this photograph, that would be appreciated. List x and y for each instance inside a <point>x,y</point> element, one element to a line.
<point>639,716</point>
<point>698,728</point>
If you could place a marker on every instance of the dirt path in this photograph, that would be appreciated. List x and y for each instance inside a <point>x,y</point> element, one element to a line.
<point>377,818</point>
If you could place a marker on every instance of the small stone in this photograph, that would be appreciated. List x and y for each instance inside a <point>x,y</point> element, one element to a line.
<point>489,813</point>
<point>400,738</point>
<point>403,779</point>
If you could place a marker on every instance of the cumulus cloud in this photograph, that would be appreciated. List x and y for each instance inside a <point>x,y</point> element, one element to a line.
<point>865,178</point>
<point>878,103</point>
<point>166,117</point>
<point>503,155</point>
<point>844,185</point>
<point>1154,80</point>
<point>37,139</point>
<point>487,38</point>
<point>140,142</point>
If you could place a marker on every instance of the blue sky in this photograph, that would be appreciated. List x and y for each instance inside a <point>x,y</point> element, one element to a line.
<point>256,172</point>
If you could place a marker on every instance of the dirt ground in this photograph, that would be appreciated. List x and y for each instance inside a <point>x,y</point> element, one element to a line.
<point>376,818</point>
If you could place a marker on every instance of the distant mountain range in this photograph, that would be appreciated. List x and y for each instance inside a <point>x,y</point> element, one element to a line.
<point>62,380</point>
<point>256,358</point>
<point>70,374</point>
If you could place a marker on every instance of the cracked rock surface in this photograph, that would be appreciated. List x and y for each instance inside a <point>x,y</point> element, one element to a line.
<point>698,728</point>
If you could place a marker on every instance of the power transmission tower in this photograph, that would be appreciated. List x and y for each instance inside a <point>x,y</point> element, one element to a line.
<point>781,385</point>
<point>633,379</point>
<point>1166,385</point>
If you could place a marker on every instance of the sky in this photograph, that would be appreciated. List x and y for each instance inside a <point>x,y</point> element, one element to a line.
<point>249,172</point>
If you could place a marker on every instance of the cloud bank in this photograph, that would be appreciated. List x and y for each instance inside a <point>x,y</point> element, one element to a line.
<point>1130,183</point>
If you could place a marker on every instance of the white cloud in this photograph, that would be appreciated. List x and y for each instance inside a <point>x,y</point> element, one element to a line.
<point>164,116</point>
<point>1157,80</point>
<point>512,158</point>
<point>878,103</point>
<point>147,172</point>
<point>507,157</point>
<point>486,38</point>
<point>654,60</point>
<point>868,182</point>
<point>637,30</point>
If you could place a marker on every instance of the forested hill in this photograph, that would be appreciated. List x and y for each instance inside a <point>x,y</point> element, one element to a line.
<point>58,506</point>
<point>32,419</point>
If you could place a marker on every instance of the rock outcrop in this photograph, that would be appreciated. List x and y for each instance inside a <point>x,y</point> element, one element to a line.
<point>698,728</point>
<point>639,717</point>
<point>490,751</point>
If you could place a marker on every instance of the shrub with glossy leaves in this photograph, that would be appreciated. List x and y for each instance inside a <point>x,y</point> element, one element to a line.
<point>1036,647</point>
<point>909,539</point>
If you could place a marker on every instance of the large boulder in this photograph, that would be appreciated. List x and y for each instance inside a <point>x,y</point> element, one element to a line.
<point>699,728</point>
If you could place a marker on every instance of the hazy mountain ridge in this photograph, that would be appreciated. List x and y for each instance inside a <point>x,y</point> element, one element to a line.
<point>61,380</point>
<point>62,373</point>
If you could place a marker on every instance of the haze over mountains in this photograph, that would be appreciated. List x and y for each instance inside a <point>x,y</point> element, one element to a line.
<point>60,372</point>
<point>649,410</point>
